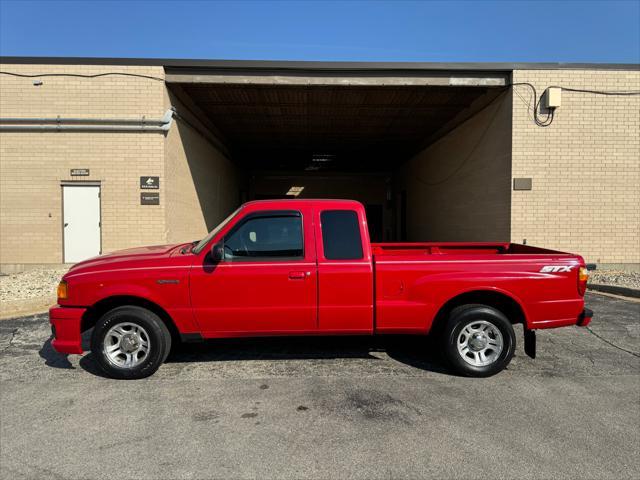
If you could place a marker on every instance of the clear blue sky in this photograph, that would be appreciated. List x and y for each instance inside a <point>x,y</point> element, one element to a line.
<point>562,31</point>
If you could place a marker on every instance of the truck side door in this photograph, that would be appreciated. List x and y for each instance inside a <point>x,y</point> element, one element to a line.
<point>345,271</point>
<point>266,282</point>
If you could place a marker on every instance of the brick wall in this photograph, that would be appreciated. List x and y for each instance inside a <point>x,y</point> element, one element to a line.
<point>458,187</point>
<point>32,165</point>
<point>585,167</point>
<point>202,186</point>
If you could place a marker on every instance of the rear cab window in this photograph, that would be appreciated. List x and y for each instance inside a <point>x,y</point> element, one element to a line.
<point>341,236</point>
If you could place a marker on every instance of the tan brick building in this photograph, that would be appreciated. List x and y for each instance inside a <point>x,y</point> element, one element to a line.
<point>439,152</point>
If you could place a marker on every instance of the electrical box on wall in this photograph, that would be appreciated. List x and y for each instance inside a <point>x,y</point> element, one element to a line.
<point>552,97</point>
<point>522,184</point>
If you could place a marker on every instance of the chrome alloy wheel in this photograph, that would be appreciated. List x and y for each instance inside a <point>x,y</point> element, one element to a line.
<point>480,343</point>
<point>126,345</point>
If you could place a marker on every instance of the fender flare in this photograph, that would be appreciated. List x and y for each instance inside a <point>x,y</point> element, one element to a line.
<point>483,289</point>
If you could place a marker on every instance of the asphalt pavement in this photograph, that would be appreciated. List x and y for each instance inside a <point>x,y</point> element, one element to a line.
<point>356,407</point>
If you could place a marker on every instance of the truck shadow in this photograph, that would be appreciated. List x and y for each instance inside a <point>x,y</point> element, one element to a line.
<point>416,352</point>
<point>52,358</point>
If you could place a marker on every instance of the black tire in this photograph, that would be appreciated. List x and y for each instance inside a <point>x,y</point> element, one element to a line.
<point>470,315</point>
<point>154,328</point>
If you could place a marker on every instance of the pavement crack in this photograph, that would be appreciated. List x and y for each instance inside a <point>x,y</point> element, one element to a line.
<point>9,344</point>
<point>613,344</point>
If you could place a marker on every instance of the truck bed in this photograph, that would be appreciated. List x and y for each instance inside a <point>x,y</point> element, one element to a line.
<point>458,248</point>
<point>413,281</point>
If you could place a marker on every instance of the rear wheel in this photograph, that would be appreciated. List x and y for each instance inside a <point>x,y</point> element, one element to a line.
<point>130,342</point>
<point>479,340</point>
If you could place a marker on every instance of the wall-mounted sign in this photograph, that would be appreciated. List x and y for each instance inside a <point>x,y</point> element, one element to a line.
<point>79,172</point>
<point>149,198</point>
<point>150,183</point>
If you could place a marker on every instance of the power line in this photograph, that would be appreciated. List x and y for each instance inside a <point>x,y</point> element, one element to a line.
<point>78,75</point>
<point>598,92</point>
<point>549,119</point>
<point>535,102</point>
<point>536,106</point>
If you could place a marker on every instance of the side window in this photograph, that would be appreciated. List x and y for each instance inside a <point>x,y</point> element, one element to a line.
<point>341,235</point>
<point>266,237</point>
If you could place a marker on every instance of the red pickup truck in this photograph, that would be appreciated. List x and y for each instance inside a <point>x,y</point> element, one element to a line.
<point>306,267</point>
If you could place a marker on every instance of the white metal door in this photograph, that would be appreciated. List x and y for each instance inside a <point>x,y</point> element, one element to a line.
<point>81,207</point>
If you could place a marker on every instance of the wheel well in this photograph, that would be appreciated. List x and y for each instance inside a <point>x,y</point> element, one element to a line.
<point>93,314</point>
<point>505,304</point>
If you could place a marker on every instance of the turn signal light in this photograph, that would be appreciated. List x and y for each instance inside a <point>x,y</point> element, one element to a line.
<point>63,290</point>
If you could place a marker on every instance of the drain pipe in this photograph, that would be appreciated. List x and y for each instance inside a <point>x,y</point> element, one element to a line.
<point>61,124</point>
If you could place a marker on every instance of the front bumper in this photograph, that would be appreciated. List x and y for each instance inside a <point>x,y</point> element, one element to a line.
<point>66,324</point>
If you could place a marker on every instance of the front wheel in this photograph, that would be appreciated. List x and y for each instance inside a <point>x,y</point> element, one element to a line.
<point>130,342</point>
<point>479,340</point>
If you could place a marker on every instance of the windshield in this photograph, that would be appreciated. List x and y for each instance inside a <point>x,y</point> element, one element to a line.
<point>202,243</point>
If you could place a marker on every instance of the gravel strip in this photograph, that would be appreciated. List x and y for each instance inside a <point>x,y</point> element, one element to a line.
<point>31,284</point>
<point>615,277</point>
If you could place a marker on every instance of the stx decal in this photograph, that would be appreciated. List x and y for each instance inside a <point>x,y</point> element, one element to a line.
<point>555,268</point>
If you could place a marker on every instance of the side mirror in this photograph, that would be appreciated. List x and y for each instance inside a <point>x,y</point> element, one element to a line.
<point>217,252</point>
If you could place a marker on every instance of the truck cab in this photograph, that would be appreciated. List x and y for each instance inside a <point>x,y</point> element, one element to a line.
<point>286,267</point>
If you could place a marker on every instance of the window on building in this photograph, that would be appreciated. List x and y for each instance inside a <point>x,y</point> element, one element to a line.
<point>341,235</point>
<point>271,237</point>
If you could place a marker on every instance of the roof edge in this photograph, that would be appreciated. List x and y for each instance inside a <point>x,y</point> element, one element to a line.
<point>317,65</point>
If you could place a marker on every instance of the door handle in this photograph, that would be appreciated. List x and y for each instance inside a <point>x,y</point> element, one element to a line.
<point>298,275</point>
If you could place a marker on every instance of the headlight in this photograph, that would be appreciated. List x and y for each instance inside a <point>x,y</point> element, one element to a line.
<point>63,290</point>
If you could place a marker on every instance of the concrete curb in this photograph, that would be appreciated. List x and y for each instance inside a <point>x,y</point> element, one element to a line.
<point>616,290</point>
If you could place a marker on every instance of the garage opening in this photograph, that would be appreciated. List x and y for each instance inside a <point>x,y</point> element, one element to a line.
<point>428,155</point>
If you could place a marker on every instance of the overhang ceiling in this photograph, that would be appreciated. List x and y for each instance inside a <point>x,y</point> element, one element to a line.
<point>343,128</point>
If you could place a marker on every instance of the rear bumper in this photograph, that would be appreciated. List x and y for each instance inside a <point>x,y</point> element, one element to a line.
<point>66,324</point>
<point>582,320</point>
<point>585,317</point>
